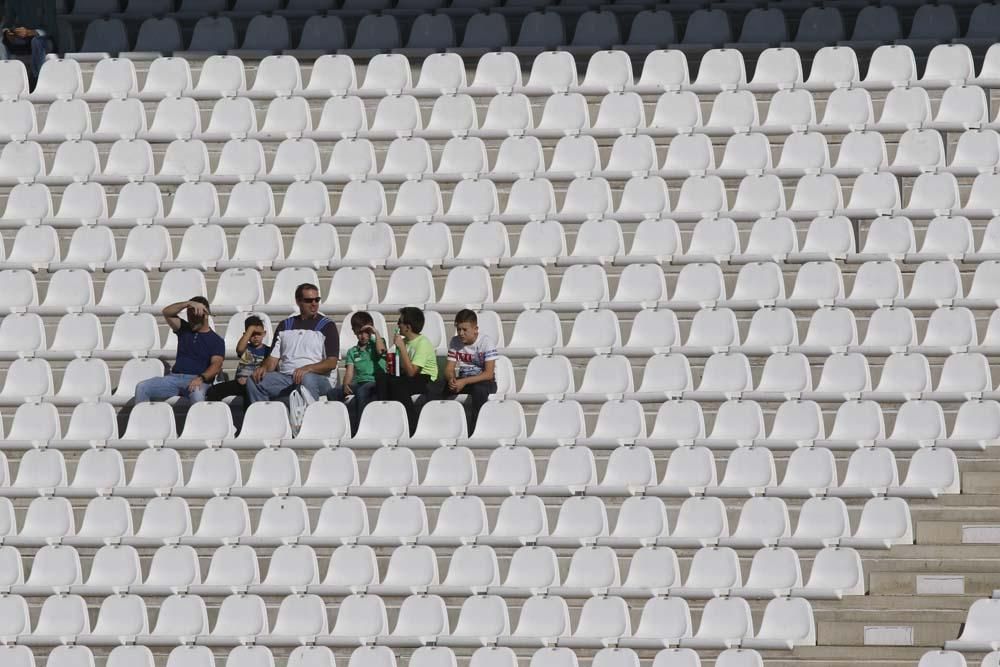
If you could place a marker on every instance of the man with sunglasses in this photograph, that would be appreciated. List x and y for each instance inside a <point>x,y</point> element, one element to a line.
<point>304,352</point>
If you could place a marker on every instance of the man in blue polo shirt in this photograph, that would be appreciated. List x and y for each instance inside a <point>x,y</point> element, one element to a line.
<point>200,353</point>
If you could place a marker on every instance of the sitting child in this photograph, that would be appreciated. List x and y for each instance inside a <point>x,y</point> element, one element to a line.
<point>416,361</point>
<point>360,363</point>
<point>471,360</point>
<point>251,351</point>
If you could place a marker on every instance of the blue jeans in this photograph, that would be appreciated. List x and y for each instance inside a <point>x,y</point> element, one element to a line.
<point>363,392</point>
<point>39,49</point>
<point>168,386</point>
<point>274,384</point>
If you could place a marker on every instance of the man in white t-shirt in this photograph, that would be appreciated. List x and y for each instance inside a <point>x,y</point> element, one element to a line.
<point>471,360</point>
<point>304,352</point>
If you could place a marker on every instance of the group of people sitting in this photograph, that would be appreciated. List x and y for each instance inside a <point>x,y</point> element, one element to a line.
<point>299,364</point>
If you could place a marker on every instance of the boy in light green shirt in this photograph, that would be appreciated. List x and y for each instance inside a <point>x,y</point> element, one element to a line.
<point>416,360</point>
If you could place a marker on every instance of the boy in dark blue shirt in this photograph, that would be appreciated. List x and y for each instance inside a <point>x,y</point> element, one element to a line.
<point>200,353</point>
<point>252,351</point>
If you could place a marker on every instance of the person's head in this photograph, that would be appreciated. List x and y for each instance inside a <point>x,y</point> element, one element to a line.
<point>363,327</point>
<point>467,326</point>
<point>255,326</point>
<point>410,322</point>
<point>307,298</point>
<point>197,320</point>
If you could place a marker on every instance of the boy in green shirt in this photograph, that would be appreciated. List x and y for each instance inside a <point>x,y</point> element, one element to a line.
<point>416,360</point>
<point>360,363</point>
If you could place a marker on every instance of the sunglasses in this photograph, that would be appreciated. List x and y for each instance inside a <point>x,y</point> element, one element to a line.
<point>311,300</point>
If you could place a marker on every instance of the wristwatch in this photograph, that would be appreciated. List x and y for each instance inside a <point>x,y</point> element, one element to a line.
<point>204,379</point>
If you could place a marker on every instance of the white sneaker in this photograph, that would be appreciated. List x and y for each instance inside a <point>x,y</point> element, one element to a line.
<point>298,401</point>
<point>307,396</point>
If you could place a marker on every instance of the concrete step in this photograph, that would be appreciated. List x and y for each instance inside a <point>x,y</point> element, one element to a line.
<point>953,582</point>
<point>983,529</point>
<point>982,479</point>
<point>841,656</point>
<point>930,632</point>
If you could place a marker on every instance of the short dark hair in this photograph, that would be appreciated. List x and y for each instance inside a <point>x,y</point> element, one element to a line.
<point>413,317</point>
<point>302,288</point>
<point>252,321</point>
<point>466,316</point>
<point>203,301</point>
<point>361,319</point>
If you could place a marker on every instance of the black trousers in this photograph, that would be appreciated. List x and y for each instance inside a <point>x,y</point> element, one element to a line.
<point>222,390</point>
<point>401,389</point>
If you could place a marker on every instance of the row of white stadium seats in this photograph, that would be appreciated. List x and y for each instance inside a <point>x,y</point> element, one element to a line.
<point>472,569</point>
<point>316,245</point>
<point>462,157</point>
<point>725,376</point>
<point>889,329</point>
<point>422,619</point>
<point>737,423</point>
<point>777,69</point>
<point>643,286</point>
<point>678,423</point>
<point>675,112</point>
<point>749,471</point>
<point>529,199</point>
<point>190,655</point>
<point>402,519</point>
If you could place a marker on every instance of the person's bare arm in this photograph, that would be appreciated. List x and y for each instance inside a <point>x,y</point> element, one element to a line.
<point>172,313</point>
<point>486,376</point>
<point>244,341</point>
<point>449,371</point>
<point>214,368</point>
<point>406,364</point>
<point>380,345</point>
<point>269,365</point>
<point>324,367</point>
<point>348,379</point>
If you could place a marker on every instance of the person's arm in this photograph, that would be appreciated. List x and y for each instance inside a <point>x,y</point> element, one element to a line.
<point>207,375</point>
<point>244,341</point>
<point>485,376</point>
<point>406,364</point>
<point>380,345</point>
<point>348,379</point>
<point>269,365</point>
<point>451,368</point>
<point>214,368</point>
<point>324,367</point>
<point>172,313</point>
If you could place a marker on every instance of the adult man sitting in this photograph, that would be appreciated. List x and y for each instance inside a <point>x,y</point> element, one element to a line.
<point>304,352</point>
<point>200,353</point>
<point>22,33</point>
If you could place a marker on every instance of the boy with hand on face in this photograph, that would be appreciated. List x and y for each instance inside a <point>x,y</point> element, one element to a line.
<point>252,352</point>
<point>471,361</point>
<point>361,362</point>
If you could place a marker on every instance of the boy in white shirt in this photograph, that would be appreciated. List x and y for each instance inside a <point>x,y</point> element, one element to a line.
<point>471,361</point>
